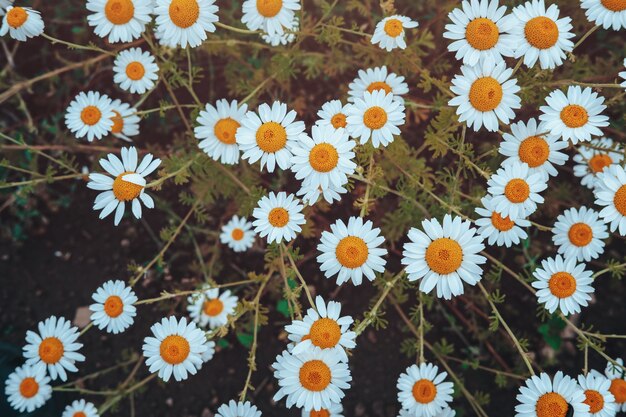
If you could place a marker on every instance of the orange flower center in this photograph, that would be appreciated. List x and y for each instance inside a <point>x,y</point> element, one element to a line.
<point>325,333</point>
<point>618,389</point>
<point>269,8</point>
<point>135,70</point>
<point>315,375</point>
<point>562,284</point>
<point>237,234</point>
<point>503,224</point>
<point>184,13</point>
<point>375,117</point>
<point>278,217</point>
<point>174,349</point>
<point>113,306</point>
<point>79,414</point>
<point>482,34</point>
<point>424,391</point>
<point>620,200</point>
<point>598,162</point>
<point>29,387</point>
<point>541,32</point>
<point>551,405</point>
<point>213,307</point>
<point>379,85</point>
<point>119,12</point>
<point>594,400</point>
<point>393,28</point>
<point>339,120</point>
<point>118,122</point>
<point>517,190</point>
<point>574,116</point>
<point>16,17</point>
<point>534,151</point>
<point>580,234</point>
<point>225,130</point>
<point>125,190</point>
<point>444,255</point>
<point>271,137</point>
<point>51,350</point>
<point>485,94</point>
<point>323,157</point>
<point>351,252</point>
<point>321,413</point>
<point>614,5</point>
<point>90,115</point>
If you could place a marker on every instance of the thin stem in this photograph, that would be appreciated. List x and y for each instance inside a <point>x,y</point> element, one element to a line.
<point>367,320</point>
<point>285,251</point>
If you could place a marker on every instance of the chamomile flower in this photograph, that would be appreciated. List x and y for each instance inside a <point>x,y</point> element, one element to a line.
<point>594,159</point>
<point>176,348</point>
<point>269,135</point>
<point>485,94</point>
<point>615,373</point>
<point>120,20</point>
<point>478,30</point>
<point>576,116</point>
<point>184,22</point>
<point>579,233</point>
<point>21,23</point>
<point>335,410</point>
<point>80,408</point>
<point>333,113</point>
<point>211,308</point>
<point>135,70</point>
<point>597,395</point>
<point>54,347</point>
<point>238,234</point>
<point>377,116</point>
<point>444,256</point>
<point>374,79</point>
<point>310,194</point>
<point>324,328</point>
<point>352,251</point>
<point>545,397</point>
<point>209,352</point>
<point>563,284</point>
<point>516,191</point>
<point>28,388</point>
<point>610,193</point>
<point>269,16</point>
<point>216,130</point>
<point>125,121</point>
<point>539,34</point>
<point>608,13</point>
<point>278,217</point>
<point>238,409</point>
<point>389,32</point>
<point>113,308</point>
<point>423,391</point>
<point>497,229</point>
<point>128,183</point>
<point>312,380</point>
<point>284,38</point>
<point>90,114</point>
<point>528,143</point>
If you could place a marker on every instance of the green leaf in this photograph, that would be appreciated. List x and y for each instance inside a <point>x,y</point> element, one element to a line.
<point>245,339</point>
<point>282,306</point>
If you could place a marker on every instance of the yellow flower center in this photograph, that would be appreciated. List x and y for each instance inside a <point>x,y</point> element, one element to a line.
<point>534,151</point>
<point>125,190</point>
<point>551,405</point>
<point>278,217</point>
<point>135,70</point>
<point>271,137</point>
<point>562,284</point>
<point>351,252</point>
<point>594,400</point>
<point>325,333</point>
<point>323,157</point>
<point>339,120</point>
<point>113,306</point>
<point>237,234</point>
<point>620,200</point>
<point>174,349</point>
<point>225,130</point>
<point>184,13</point>
<point>51,350</point>
<point>29,387</point>
<point>502,224</point>
<point>90,115</point>
<point>375,117</point>
<point>379,85</point>
<point>541,32</point>
<point>598,162</point>
<point>614,5</point>
<point>580,234</point>
<point>321,413</point>
<point>118,122</point>
<point>485,94</point>
<point>315,375</point>
<point>119,12</point>
<point>618,389</point>
<point>574,116</point>
<point>16,17</point>
<point>269,8</point>
<point>213,307</point>
<point>393,28</point>
<point>444,255</point>
<point>482,34</point>
<point>517,190</point>
<point>424,391</point>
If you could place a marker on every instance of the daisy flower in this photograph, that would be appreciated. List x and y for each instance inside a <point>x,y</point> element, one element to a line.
<point>389,32</point>
<point>125,121</point>
<point>597,395</point>
<point>528,143</point>
<point>216,130</point>
<point>351,251</point>
<point>176,348</point>
<point>310,194</point>
<point>579,234</point>
<point>333,113</point>
<point>335,410</point>
<point>184,22</point>
<point>237,409</point>
<point>499,230</point>
<point>423,391</point>
<point>608,13</point>
<point>278,216</point>
<point>444,256</point>
<point>80,408</point>
<point>376,116</point>
<point>269,16</point>
<point>135,70</point>
<point>312,380</point>
<point>90,114</point>
<point>563,284</point>
<point>576,116</point>
<point>127,183</point>
<point>211,308</point>
<point>209,353</point>
<point>54,347</point>
<point>269,135</point>
<point>539,34</point>
<point>484,94</point>
<point>516,191</point>
<point>592,160</point>
<point>374,79</point>
<point>616,375</point>
<point>27,388</point>
<point>478,31</point>
<point>238,234</point>
<point>120,20</point>
<point>543,397</point>
<point>21,23</point>
<point>284,38</point>
<point>610,193</point>
<point>113,308</point>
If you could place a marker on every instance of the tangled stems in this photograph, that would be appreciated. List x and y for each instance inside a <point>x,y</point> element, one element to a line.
<point>372,314</point>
